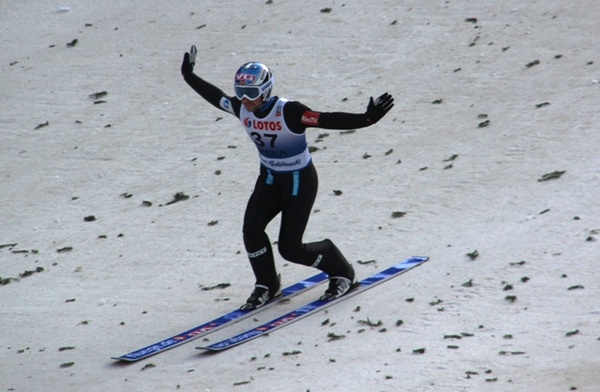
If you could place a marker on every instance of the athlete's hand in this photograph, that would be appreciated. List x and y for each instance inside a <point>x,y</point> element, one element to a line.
<point>379,107</point>
<point>189,60</point>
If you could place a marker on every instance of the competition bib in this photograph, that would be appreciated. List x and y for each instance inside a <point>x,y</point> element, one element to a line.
<point>279,148</point>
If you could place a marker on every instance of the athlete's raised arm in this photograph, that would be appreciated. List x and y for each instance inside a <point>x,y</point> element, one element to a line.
<point>211,93</point>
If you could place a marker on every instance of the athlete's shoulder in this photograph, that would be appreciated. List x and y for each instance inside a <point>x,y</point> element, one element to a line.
<point>295,108</point>
<point>298,116</point>
<point>304,115</point>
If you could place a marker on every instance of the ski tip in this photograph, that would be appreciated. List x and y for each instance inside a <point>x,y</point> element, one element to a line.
<point>123,359</point>
<point>208,349</point>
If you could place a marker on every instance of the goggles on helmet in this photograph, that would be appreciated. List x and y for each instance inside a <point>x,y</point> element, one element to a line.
<point>252,92</point>
<point>249,92</point>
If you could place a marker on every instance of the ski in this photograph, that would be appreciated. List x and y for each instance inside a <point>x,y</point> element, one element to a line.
<point>219,322</point>
<point>314,306</point>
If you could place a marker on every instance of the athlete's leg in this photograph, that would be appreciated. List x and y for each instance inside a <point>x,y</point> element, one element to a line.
<point>264,204</point>
<point>298,204</point>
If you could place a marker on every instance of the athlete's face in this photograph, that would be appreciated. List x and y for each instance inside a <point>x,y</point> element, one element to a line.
<point>252,106</point>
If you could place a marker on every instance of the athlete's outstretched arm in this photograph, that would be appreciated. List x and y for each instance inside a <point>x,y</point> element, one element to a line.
<point>211,93</point>
<point>376,109</point>
<point>306,117</point>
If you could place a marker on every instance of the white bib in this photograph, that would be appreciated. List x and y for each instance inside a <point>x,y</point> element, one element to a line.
<point>279,149</point>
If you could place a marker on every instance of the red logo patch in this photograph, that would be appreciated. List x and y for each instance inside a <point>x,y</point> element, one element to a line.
<point>310,118</point>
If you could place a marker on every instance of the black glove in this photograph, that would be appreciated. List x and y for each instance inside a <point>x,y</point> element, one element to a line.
<point>189,60</point>
<point>378,108</point>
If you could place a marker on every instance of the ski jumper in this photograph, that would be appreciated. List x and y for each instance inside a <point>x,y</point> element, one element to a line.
<point>287,182</point>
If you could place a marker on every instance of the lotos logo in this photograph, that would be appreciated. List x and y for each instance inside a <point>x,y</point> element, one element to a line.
<point>263,125</point>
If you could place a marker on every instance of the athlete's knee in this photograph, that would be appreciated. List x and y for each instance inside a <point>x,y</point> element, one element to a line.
<point>290,252</point>
<point>254,239</point>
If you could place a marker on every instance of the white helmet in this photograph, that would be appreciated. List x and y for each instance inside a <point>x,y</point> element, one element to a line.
<point>253,80</point>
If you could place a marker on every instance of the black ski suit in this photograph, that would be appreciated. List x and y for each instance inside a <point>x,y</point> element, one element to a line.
<point>284,190</point>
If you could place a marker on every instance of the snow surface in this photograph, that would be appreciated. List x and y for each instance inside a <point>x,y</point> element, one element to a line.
<point>492,151</point>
